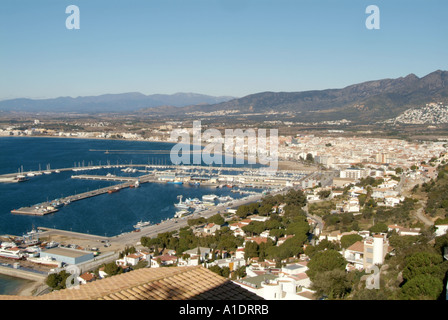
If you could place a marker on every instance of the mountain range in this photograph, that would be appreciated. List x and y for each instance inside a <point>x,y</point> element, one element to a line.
<point>364,102</point>
<point>123,102</point>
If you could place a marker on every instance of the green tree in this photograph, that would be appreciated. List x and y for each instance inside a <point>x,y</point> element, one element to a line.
<point>324,194</point>
<point>423,263</point>
<point>250,250</point>
<point>325,261</point>
<point>57,281</point>
<point>422,287</point>
<point>216,219</point>
<point>348,240</point>
<point>296,198</point>
<point>379,228</point>
<point>334,284</point>
<point>309,157</point>
<point>300,227</point>
<point>112,269</point>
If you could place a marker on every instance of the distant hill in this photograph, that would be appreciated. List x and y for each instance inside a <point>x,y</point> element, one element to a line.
<point>367,102</point>
<point>364,102</point>
<point>124,102</point>
<point>433,113</point>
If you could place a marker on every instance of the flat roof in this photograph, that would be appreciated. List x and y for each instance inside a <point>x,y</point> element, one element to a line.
<point>72,253</point>
<point>257,280</point>
<point>293,267</point>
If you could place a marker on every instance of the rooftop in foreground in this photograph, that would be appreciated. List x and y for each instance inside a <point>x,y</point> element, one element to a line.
<point>174,283</point>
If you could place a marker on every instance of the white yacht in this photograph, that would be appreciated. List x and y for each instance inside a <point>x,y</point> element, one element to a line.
<point>12,253</point>
<point>209,197</point>
<point>142,224</point>
<point>181,213</point>
<point>181,205</point>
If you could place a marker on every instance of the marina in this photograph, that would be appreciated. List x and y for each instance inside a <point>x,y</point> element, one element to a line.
<point>166,174</point>
<point>147,187</point>
<point>122,203</point>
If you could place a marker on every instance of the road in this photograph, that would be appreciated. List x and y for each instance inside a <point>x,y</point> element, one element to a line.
<point>420,214</point>
<point>131,238</point>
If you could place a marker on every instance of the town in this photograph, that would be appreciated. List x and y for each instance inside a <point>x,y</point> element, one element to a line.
<point>375,203</point>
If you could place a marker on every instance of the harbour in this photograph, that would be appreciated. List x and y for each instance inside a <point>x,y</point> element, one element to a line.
<point>196,175</point>
<point>92,173</point>
<point>112,204</point>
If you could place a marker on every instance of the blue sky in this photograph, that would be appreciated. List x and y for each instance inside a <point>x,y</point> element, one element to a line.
<point>215,47</point>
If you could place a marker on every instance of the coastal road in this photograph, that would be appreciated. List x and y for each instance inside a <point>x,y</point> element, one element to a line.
<point>131,238</point>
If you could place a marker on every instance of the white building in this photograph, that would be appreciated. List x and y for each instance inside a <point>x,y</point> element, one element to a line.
<point>441,229</point>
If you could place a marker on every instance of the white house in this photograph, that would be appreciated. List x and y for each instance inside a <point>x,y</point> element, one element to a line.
<point>441,229</point>
<point>355,255</point>
<point>202,252</point>
<point>239,254</point>
<point>258,218</point>
<point>211,228</point>
<point>86,277</point>
<point>392,201</point>
<point>232,263</point>
<point>352,205</point>
<point>272,287</point>
<point>404,231</point>
<point>164,260</point>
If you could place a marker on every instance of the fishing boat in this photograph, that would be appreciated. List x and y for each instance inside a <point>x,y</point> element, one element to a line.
<point>116,189</point>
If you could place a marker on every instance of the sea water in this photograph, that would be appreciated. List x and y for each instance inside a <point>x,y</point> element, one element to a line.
<point>104,215</point>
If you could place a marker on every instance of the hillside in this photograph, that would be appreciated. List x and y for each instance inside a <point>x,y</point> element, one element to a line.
<point>123,102</point>
<point>364,102</point>
<point>367,102</point>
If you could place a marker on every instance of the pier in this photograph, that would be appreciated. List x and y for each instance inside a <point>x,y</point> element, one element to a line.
<point>104,178</point>
<point>180,174</point>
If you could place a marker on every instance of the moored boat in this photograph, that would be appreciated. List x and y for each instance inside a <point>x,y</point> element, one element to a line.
<point>209,197</point>
<point>47,261</point>
<point>181,205</point>
<point>181,213</point>
<point>141,224</point>
<point>11,253</point>
<point>116,189</point>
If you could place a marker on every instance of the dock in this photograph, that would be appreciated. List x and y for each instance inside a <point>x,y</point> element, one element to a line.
<point>48,207</point>
<point>159,174</point>
<point>104,178</point>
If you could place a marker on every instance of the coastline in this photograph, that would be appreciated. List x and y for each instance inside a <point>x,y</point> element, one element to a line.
<point>26,287</point>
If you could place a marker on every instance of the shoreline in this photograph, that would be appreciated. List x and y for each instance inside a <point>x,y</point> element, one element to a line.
<point>26,288</point>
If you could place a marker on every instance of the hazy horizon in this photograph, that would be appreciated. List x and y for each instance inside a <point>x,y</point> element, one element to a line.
<point>213,47</point>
